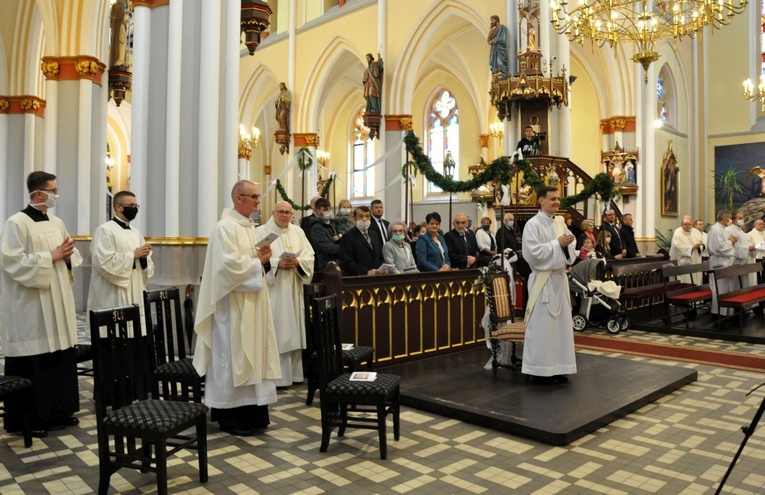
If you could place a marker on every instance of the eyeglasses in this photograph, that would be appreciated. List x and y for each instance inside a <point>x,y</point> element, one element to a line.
<point>283,212</point>
<point>251,196</point>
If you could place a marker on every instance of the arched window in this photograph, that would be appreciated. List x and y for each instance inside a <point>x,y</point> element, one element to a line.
<point>362,154</point>
<point>665,97</point>
<point>443,134</point>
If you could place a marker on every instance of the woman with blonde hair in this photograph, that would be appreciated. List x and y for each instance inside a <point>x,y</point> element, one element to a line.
<point>588,228</point>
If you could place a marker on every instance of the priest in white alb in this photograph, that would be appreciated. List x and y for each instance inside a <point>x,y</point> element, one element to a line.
<point>39,329</point>
<point>121,259</point>
<point>686,248</point>
<point>722,253</point>
<point>291,268</point>
<point>548,247</point>
<point>236,344</point>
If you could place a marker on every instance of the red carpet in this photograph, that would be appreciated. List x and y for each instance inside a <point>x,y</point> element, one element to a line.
<point>669,351</point>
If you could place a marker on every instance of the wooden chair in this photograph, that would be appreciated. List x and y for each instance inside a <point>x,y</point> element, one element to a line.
<point>15,385</point>
<point>352,358</point>
<point>502,319</point>
<point>346,403</point>
<point>123,363</point>
<point>175,375</point>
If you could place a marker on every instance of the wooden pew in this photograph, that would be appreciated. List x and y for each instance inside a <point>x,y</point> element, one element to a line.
<point>686,297</point>
<point>739,299</point>
<point>642,283</point>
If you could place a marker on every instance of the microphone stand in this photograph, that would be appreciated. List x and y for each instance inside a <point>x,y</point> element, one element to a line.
<point>748,432</point>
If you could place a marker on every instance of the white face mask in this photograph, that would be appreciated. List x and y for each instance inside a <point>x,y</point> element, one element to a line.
<point>50,202</point>
<point>740,223</point>
<point>345,211</point>
<point>327,215</point>
<point>363,225</point>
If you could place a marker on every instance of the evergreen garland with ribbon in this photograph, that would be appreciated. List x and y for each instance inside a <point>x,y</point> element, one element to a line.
<point>283,193</point>
<point>501,169</point>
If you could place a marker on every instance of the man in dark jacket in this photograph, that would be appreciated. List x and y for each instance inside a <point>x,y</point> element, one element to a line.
<point>463,248</point>
<point>628,237</point>
<point>361,247</point>
<point>617,244</point>
<point>506,233</point>
<point>324,237</point>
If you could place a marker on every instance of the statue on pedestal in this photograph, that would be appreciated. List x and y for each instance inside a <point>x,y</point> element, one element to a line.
<point>283,105</point>
<point>497,39</point>
<point>120,17</point>
<point>372,81</point>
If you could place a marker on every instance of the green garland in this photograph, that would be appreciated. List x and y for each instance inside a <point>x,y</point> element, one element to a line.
<point>501,170</point>
<point>295,206</point>
<point>303,162</point>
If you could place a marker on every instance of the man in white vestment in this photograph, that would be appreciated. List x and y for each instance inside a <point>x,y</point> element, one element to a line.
<point>701,227</point>
<point>548,247</point>
<point>236,343</point>
<point>757,236</point>
<point>686,248</point>
<point>285,285</point>
<point>744,248</point>
<point>722,253</point>
<point>121,258</point>
<point>39,319</point>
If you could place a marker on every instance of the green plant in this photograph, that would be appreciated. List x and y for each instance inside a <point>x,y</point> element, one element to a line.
<point>726,185</point>
<point>306,158</point>
<point>664,241</point>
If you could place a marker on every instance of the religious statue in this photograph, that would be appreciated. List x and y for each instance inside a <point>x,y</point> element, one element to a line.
<point>530,14</point>
<point>120,16</point>
<point>283,108</point>
<point>372,81</point>
<point>497,39</point>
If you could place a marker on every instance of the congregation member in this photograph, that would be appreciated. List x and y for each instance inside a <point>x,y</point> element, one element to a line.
<point>462,247</point>
<point>722,253</point>
<point>292,262</point>
<point>397,251</point>
<point>548,247</point>
<point>432,252</point>
<point>506,233</point>
<point>39,329</point>
<point>701,227</point>
<point>627,234</point>
<point>344,218</point>
<point>686,247</point>
<point>121,259</point>
<point>609,225</point>
<point>306,223</point>
<point>379,222</point>
<point>570,225</point>
<point>757,237</point>
<point>603,246</point>
<point>236,346</point>
<point>361,247</point>
<point>588,232</point>
<point>588,250</point>
<point>487,243</point>
<point>325,237</point>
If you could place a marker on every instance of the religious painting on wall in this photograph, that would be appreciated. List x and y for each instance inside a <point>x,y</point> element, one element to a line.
<point>669,171</point>
<point>739,174</point>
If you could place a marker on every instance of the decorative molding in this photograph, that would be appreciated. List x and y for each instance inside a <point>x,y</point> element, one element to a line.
<point>22,104</point>
<point>483,139</point>
<point>306,139</point>
<point>398,122</point>
<point>73,68</point>
<point>619,123</point>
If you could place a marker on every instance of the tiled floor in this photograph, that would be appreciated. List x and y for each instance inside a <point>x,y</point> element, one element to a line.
<point>681,444</point>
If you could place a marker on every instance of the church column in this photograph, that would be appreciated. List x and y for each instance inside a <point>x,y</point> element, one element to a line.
<point>511,134</point>
<point>645,223</point>
<point>395,127</point>
<point>563,52</point>
<point>232,41</point>
<point>309,140</point>
<point>139,134</point>
<point>50,127</point>
<point>173,122</point>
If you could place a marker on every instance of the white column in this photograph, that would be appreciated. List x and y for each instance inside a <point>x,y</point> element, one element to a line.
<point>99,215</point>
<point>50,122</point>
<point>512,43</point>
<point>173,120</point>
<point>645,223</point>
<point>231,98</point>
<point>209,117</point>
<point>563,52</point>
<point>84,155</point>
<point>140,111</point>
<point>244,172</point>
<point>29,144</point>
<point>4,167</point>
<point>546,37</point>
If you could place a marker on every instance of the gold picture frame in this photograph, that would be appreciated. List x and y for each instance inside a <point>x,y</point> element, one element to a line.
<point>669,183</point>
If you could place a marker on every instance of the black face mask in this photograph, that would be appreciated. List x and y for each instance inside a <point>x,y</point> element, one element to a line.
<point>130,212</point>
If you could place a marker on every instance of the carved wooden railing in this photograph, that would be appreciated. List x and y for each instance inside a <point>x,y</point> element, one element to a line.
<point>410,316</point>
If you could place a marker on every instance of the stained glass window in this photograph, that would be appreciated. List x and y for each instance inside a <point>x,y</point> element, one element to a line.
<point>661,95</point>
<point>443,134</point>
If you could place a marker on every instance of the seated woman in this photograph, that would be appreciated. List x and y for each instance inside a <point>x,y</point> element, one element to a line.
<point>588,226</point>
<point>602,247</point>
<point>432,253</point>
<point>397,251</point>
<point>344,219</point>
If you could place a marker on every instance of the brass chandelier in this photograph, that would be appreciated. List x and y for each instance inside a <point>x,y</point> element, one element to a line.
<point>643,22</point>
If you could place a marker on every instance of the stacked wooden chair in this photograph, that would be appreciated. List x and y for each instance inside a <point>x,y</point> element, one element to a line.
<point>15,386</point>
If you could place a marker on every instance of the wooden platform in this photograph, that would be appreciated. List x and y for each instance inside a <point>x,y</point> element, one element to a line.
<point>603,390</point>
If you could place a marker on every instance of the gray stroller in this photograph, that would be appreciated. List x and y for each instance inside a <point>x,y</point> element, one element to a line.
<point>595,308</point>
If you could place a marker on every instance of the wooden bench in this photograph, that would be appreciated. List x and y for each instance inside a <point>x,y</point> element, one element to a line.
<point>685,297</point>
<point>739,299</point>
<point>642,283</point>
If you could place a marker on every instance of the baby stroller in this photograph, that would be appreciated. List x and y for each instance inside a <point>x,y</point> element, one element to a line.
<point>599,301</point>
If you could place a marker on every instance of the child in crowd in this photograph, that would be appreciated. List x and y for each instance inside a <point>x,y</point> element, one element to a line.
<point>587,248</point>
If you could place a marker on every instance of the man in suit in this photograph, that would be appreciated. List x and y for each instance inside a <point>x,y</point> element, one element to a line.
<point>361,247</point>
<point>381,225</point>
<point>628,237</point>
<point>506,233</point>
<point>463,248</point>
<point>306,223</point>
<point>617,243</point>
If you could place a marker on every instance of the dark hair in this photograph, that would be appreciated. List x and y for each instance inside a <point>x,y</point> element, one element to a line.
<point>375,202</point>
<point>322,203</point>
<point>365,209</point>
<point>433,216</point>
<point>529,127</point>
<point>122,194</point>
<point>542,191</point>
<point>418,228</point>
<point>38,180</point>
<point>495,16</point>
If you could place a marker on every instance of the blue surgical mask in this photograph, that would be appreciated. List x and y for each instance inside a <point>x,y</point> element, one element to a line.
<point>510,224</point>
<point>486,227</point>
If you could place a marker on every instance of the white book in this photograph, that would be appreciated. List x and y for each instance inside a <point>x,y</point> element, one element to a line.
<point>268,240</point>
<point>286,255</point>
<point>363,376</point>
<point>347,347</point>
